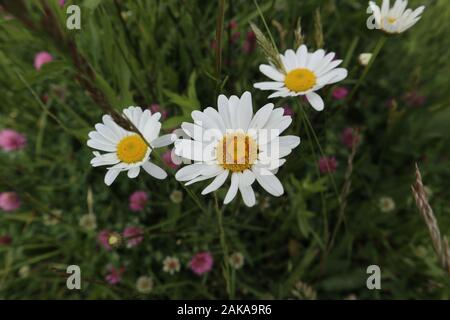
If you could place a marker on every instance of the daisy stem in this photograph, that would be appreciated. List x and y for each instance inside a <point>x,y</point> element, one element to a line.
<point>223,244</point>
<point>376,51</point>
<point>316,159</point>
<point>322,154</point>
<point>219,32</point>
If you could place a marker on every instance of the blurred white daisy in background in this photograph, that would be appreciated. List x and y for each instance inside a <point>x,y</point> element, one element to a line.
<point>176,196</point>
<point>24,271</point>
<point>171,265</point>
<point>386,204</point>
<point>144,284</point>
<point>395,19</point>
<point>236,260</point>
<point>234,142</point>
<point>88,222</point>
<point>303,74</point>
<point>127,150</point>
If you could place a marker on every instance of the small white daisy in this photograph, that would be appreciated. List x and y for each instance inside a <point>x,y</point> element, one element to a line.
<point>176,196</point>
<point>144,284</point>
<point>236,260</point>
<point>171,265</point>
<point>233,141</point>
<point>395,19</point>
<point>303,74</point>
<point>126,150</point>
<point>386,204</point>
<point>88,222</point>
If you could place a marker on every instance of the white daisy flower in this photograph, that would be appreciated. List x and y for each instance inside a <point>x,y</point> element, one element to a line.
<point>144,284</point>
<point>234,142</point>
<point>236,260</point>
<point>126,150</point>
<point>171,265</point>
<point>386,204</point>
<point>88,222</point>
<point>395,19</point>
<point>304,73</point>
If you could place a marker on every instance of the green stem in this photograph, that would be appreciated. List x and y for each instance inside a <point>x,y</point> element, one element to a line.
<point>316,160</point>
<point>322,154</point>
<point>219,32</point>
<point>224,246</point>
<point>376,51</point>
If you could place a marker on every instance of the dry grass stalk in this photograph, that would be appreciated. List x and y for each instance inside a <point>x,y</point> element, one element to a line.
<point>440,244</point>
<point>299,38</point>
<point>318,33</point>
<point>269,49</point>
<point>282,32</point>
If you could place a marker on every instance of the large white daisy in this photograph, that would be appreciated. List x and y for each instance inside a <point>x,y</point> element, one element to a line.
<point>395,19</point>
<point>126,150</point>
<point>234,142</point>
<point>303,74</point>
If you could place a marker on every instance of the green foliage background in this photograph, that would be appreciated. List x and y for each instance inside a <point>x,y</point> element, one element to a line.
<point>149,51</point>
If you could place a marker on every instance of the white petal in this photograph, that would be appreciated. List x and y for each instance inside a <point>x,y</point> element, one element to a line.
<point>333,76</point>
<point>316,59</point>
<point>248,195</point>
<point>261,116</point>
<point>110,176</point>
<point>153,170</point>
<point>233,104</point>
<point>292,58</point>
<point>246,178</point>
<point>104,159</point>
<point>193,150</point>
<point>189,172</point>
<point>269,181</point>
<point>281,93</point>
<point>217,183</point>
<point>109,122</point>
<point>245,110</point>
<point>222,105</point>
<point>163,141</point>
<point>315,100</point>
<point>302,56</point>
<point>214,115</point>
<point>107,133</point>
<point>333,64</point>
<point>193,130</point>
<point>143,120</point>
<point>325,62</point>
<point>133,172</point>
<point>287,62</point>
<point>271,72</point>
<point>289,141</point>
<point>94,135</point>
<point>232,191</point>
<point>100,146</point>
<point>268,85</point>
<point>385,8</point>
<point>151,130</point>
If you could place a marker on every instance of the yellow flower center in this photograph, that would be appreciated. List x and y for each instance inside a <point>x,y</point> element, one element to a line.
<point>300,80</point>
<point>237,152</point>
<point>114,239</point>
<point>131,149</point>
<point>392,20</point>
